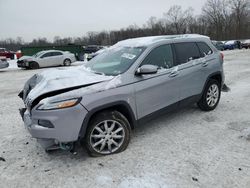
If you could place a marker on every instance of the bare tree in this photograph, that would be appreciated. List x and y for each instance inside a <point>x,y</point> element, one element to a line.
<point>220,19</point>
<point>214,11</point>
<point>178,18</point>
<point>241,13</point>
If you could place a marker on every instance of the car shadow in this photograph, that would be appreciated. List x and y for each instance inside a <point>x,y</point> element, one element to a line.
<point>165,119</point>
<point>137,132</point>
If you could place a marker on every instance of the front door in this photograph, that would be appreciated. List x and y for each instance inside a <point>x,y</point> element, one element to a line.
<point>159,90</point>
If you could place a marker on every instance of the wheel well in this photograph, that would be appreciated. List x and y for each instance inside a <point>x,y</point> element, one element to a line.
<point>217,77</point>
<point>123,109</point>
<point>66,59</point>
<point>120,108</point>
<point>34,62</point>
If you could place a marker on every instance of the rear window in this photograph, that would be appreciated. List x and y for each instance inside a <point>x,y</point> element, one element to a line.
<point>186,52</point>
<point>204,48</point>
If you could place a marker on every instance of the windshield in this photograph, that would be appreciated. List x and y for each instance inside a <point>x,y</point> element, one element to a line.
<point>37,54</point>
<point>114,61</point>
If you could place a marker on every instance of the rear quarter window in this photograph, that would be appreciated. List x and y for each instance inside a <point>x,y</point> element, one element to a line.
<point>48,54</point>
<point>204,49</point>
<point>57,53</point>
<point>186,52</point>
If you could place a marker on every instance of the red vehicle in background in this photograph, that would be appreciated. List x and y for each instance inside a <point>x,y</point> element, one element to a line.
<point>7,54</point>
<point>18,54</point>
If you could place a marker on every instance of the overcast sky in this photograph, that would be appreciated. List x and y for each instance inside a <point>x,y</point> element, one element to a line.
<point>48,18</point>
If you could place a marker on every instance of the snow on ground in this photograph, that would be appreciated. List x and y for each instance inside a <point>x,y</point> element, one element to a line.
<point>12,64</point>
<point>187,148</point>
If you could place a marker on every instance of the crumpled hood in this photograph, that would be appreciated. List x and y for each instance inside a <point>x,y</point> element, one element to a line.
<point>60,79</point>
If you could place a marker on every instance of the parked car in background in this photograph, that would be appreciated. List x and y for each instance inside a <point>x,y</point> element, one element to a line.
<point>246,44</point>
<point>92,55</point>
<point>3,63</point>
<point>218,44</point>
<point>232,44</point>
<point>7,53</point>
<point>72,48</point>
<point>132,81</point>
<point>46,59</point>
<point>91,49</point>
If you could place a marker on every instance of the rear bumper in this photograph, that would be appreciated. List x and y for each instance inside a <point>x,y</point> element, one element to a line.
<point>64,124</point>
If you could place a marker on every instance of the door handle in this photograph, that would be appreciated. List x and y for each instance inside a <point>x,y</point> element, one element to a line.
<point>204,63</point>
<point>174,73</point>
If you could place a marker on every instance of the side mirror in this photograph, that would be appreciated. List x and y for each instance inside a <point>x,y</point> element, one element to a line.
<point>146,69</point>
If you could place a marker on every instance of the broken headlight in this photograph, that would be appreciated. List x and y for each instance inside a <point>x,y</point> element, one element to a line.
<point>59,104</point>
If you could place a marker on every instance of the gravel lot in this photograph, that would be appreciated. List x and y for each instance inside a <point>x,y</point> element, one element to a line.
<point>187,148</point>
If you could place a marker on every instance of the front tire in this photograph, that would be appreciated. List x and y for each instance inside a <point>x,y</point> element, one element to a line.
<point>108,133</point>
<point>34,65</point>
<point>211,96</point>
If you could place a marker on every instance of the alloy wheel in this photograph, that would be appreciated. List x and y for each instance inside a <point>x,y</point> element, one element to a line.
<point>107,136</point>
<point>67,62</point>
<point>212,95</point>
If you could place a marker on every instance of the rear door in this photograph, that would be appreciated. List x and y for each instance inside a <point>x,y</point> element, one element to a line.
<point>207,60</point>
<point>57,58</point>
<point>156,91</point>
<point>188,58</point>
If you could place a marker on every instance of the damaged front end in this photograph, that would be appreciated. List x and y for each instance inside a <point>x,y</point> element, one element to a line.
<point>29,85</point>
<point>54,121</point>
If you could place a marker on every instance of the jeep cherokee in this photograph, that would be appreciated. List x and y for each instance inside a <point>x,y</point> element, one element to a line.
<point>102,101</point>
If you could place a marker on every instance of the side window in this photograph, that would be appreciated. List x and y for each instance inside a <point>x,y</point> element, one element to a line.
<point>204,48</point>
<point>161,56</point>
<point>186,52</point>
<point>57,53</point>
<point>47,55</point>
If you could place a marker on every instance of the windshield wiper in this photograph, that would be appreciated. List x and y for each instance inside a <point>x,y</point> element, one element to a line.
<point>98,72</point>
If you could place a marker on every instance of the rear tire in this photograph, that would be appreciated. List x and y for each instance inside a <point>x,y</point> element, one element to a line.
<point>108,133</point>
<point>67,62</point>
<point>34,65</point>
<point>211,96</point>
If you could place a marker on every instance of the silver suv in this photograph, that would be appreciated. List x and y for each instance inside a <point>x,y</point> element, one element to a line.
<point>102,101</point>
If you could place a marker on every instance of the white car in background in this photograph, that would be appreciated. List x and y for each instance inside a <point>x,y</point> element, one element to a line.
<point>46,58</point>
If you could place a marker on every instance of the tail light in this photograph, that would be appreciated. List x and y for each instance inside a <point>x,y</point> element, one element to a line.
<point>222,56</point>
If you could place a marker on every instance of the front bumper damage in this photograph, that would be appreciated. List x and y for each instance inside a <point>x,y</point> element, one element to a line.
<point>21,64</point>
<point>54,129</point>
